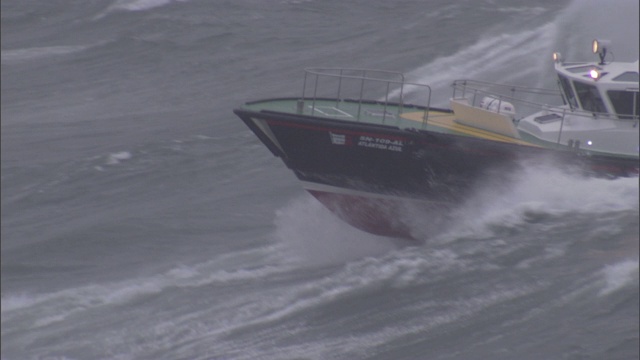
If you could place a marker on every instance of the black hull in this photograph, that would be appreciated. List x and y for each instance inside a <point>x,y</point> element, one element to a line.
<point>367,173</point>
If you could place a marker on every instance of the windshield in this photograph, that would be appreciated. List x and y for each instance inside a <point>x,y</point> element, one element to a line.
<point>589,97</point>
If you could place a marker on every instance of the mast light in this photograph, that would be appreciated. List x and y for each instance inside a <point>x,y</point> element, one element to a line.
<point>557,57</point>
<point>600,47</point>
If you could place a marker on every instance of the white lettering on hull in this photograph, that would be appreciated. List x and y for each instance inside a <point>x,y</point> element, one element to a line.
<point>381,143</point>
<point>367,141</point>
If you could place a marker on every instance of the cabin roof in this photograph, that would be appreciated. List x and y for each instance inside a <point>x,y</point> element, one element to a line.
<point>615,74</point>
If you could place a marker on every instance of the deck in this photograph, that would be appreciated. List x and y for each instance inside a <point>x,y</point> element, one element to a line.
<point>379,113</point>
<point>343,94</point>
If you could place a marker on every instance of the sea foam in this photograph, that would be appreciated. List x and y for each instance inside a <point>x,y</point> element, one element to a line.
<point>17,56</point>
<point>116,158</point>
<point>619,276</point>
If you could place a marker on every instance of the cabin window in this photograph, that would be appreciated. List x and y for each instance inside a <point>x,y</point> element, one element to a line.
<point>626,103</point>
<point>589,97</point>
<point>568,91</point>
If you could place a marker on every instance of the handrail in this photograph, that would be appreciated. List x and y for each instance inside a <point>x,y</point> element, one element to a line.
<point>519,88</point>
<point>388,81</point>
<point>324,72</point>
<point>498,90</point>
<point>507,93</point>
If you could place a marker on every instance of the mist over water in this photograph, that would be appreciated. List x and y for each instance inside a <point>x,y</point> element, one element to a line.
<point>586,20</point>
<point>142,220</point>
<point>522,55</point>
<point>313,235</point>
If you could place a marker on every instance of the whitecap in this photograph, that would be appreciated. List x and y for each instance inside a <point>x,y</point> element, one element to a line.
<point>134,5</point>
<point>140,5</point>
<point>116,158</point>
<point>619,275</point>
<point>18,55</point>
<point>15,302</point>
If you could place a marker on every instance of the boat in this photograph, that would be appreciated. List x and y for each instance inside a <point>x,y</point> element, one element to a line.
<point>372,157</point>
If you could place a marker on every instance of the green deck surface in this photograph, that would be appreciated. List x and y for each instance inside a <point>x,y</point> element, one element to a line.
<point>353,111</point>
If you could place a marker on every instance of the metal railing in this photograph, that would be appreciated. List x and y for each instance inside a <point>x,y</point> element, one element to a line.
<point>526,100</point>
<point>354,85</point>
<point>528,96</point>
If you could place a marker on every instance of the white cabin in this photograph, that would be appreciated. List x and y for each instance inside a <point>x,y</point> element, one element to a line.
<point>601,110</point>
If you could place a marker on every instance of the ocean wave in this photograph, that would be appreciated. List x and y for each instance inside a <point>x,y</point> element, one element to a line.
<point>544,192</point>
<point>116,158</point>
<point>619,276</point>
<point>135,5</point>
<point>429,316</point>
<point>407,268</point>
<point>38,308</point>
<point>18,55</point>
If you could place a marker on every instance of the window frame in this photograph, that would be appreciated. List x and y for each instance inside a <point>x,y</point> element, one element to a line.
<point>616,101</point>
<point>589,97</point>
<point>567,90</point>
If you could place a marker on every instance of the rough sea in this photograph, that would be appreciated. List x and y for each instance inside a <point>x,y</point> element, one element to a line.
<point>142,220</point>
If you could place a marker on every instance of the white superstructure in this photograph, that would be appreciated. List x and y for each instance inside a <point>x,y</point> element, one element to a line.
<point>601,106</point>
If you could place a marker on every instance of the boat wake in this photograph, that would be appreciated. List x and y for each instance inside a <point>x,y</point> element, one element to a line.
<point>513,237</point>
<point>532,199</point>
<point>543,192</point>
<point>539,198</point>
